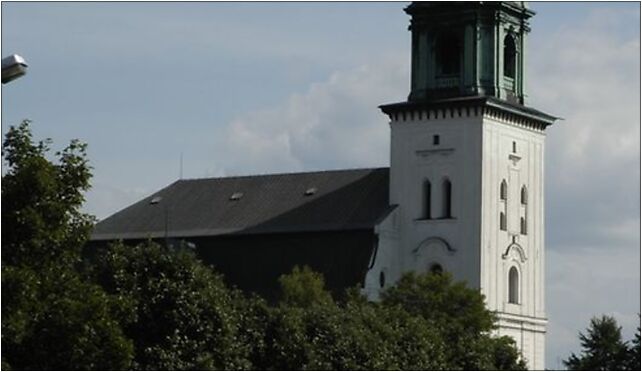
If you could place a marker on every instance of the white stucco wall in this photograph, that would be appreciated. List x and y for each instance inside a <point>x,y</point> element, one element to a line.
<point>385,257</point>
<point>502,250</point>
<point>414,159</point>
<point>475,152</point>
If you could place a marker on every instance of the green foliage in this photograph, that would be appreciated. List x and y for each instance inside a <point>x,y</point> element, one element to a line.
<point>602,348</point>
<point>41,219</point>
<point>303,287</point>
<point>504,353</point>
<point>392,338</point>
<point>460,317</point>
<point>178,313</point>
<point>395,334</point>
<point>254,317</point>
<point>633,355</point>
<point>59,322</point>
<point>355,335</point>
<point>51,318</point>
<point>452,307</point>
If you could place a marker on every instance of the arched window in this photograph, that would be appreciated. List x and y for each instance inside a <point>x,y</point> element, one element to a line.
<point>502,221</point>
<point>509,56</point>
<point>522,226</point>
<point>503,190</point>
<point>513,286</point>
<point>436,268</point>
<point>427,195</point>
<point>447,199</point>
<point>448,54</point>
<point>524,195</point>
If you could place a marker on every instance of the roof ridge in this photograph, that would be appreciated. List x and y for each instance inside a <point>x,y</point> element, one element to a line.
<point>282,174</point>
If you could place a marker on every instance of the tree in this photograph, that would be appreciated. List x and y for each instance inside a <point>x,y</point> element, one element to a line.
<point>41,218</point>
<point>317,333</point>
<point>53,320</point>
<point>633,355</point>
<point>394,338</point>
<point>504,354</point>
<point>254,318</point>
<point>602,347</point>
<point>303,287</point>
<point>51,317</point>
<point>178,312</point>
<point>461,318</point>
<point>395,334</point>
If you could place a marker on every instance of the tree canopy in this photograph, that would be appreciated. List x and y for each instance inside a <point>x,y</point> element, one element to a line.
<point>51,317</point>
<point>41,218</point>
<point>303,287</point>
<point>459,315</point>
<point>176,310</point>
<point>603,348</point>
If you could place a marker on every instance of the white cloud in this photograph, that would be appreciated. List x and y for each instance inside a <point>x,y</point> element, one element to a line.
<point>335,124</point>
<point>589,75</point>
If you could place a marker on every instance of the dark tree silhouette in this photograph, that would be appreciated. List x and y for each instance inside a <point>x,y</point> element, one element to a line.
<point>602,348</point>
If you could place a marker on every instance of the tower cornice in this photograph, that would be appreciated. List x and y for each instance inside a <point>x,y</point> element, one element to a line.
<point>469,106</point>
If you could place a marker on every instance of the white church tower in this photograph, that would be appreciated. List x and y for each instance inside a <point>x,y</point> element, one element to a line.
<point>467,165</point>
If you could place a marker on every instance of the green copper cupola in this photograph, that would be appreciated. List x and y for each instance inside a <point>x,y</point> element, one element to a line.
<point>468,49</point>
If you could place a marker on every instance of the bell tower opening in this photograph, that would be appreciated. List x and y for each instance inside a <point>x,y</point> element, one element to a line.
<point>509,57</point>
<point>448,54</point>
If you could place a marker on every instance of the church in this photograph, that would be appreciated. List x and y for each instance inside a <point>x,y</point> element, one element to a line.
<point>464,192</point>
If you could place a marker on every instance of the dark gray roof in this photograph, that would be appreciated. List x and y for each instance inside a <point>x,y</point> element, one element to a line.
<point>343,200</point>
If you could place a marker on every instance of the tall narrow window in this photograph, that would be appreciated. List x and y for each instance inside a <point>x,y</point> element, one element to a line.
<point>524,195</point>
<point>513,286</point>
<point>522,226</point>
<point>427,196</point>
<point>509,56</point>
<point>502,221</point>
<point>503,190</point>
<point>514,147</point>
<point>447,199</point>
<point>448,54</point>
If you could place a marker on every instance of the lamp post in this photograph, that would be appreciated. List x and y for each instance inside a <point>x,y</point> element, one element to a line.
<point>13,67</point>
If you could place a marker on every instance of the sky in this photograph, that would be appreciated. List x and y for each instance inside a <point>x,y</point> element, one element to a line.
<point>160,90</point>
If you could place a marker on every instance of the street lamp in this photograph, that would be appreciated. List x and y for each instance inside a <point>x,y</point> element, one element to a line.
<point>13,67</point>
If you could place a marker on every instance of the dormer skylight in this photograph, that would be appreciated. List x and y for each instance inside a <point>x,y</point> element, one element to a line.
<point>236,196</point>
<point>310,191</point>
<point>155,200</point>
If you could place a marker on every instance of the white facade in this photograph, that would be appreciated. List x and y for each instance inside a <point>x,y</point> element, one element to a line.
<point>475,149</point>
